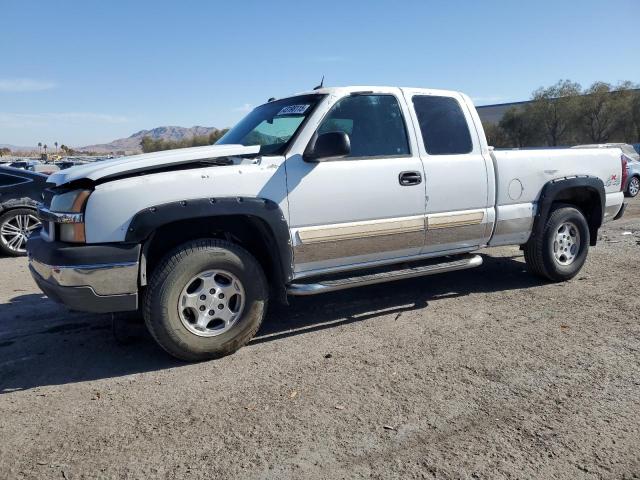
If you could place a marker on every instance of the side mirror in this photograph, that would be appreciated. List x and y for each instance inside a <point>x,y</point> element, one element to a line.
<point>327,146</point>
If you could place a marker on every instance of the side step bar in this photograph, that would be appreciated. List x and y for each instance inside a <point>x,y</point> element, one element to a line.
<point>332,285</point>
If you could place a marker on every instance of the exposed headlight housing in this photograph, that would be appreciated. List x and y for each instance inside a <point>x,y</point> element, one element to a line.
<point>71,225</point>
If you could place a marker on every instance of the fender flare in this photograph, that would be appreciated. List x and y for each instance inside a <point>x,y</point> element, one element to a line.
<point>551,192</point>
<point>147,221</point>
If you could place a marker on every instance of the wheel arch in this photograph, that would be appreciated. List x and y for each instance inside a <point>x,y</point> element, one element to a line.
<point>256,224</point>
<point>13,203</point>
<point>587,194</point>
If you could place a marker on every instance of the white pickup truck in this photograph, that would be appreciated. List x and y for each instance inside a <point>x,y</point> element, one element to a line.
<point>320,191</point>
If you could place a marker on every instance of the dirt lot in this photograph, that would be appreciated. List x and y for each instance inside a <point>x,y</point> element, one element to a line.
<point>487,373</point>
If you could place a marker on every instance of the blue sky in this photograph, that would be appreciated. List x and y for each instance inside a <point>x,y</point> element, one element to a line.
<point>82,72</point>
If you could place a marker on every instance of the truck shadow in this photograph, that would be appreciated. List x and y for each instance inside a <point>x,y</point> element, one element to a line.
<point>43,344</point>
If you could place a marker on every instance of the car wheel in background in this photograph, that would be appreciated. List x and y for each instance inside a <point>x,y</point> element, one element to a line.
<point>634,187</point>
<point>15,227</point>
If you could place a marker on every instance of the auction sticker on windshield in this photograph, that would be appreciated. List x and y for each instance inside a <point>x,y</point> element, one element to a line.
<point>293,110</point>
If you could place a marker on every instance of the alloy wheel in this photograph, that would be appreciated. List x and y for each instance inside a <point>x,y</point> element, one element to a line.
<point>566,244</point>
<point>15,231</point>
<point>211,303</point>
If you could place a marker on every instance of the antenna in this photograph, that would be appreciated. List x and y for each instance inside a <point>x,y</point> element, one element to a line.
<point>321,84</point>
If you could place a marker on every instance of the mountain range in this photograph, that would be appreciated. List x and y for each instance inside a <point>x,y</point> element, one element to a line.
<point>131,144</point>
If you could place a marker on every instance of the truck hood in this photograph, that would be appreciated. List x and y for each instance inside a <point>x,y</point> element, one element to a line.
<point>136,163</point>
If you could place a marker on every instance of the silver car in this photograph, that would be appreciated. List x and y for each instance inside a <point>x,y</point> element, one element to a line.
<point>632,187</point>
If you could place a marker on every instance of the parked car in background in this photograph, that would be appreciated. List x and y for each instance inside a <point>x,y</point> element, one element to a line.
<point>632,188</point>
<point>20,191</point>
<point>44,168</point>
<point>23,164</point>
<point>64,164</point>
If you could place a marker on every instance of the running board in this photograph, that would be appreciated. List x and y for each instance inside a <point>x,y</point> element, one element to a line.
<point>331,285</point>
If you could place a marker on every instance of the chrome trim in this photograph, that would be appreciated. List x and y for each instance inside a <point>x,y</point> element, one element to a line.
<point>364,229</point>
<point>457,219</point>
<point>104,279</point>
<point>353,247</point>
<point>469,261</point>
<point>514,225</point>
<point>470,233</point>
<point>44,214</point>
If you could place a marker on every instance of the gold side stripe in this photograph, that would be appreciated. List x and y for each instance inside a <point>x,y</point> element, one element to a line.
<point>371,228</point>
<point>448,220</point>
<point>389,226</point>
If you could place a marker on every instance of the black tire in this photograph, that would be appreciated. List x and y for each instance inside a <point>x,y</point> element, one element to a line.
<point>633,188</point>
<point>9,219</point>
<point>539,250</point>
<point>161,312</point>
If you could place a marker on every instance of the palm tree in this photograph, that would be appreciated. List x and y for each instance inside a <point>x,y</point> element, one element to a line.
<point>39,147</point>
<point>45,148</point>
<point>56,144</point>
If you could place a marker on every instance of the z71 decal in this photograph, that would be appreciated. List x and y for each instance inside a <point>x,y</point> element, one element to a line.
<point>613,180</point>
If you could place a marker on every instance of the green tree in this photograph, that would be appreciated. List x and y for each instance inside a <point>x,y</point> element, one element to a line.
<point>495,136</point>
<point>623,98</point>
<point>634,114</point>
<point>598,114</point>
<point>5,151</point>
<point>148,144</point>
<point>518,127</point>
<point>553,110</point>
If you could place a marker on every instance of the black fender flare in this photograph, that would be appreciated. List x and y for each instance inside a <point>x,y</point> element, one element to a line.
<point>147,221</point>
<point>552,192</point>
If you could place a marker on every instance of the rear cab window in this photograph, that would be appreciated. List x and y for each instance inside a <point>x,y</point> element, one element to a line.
<point>443,125</point>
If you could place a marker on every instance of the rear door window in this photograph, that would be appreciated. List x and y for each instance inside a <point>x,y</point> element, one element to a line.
<point>443,125</point>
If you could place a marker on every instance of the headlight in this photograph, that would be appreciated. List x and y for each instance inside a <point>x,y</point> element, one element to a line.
<point>71,202</point>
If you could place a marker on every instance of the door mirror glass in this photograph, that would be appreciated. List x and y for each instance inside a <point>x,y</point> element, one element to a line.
<point>326,146</point>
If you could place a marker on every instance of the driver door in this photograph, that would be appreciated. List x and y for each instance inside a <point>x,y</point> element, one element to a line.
<point>366,207</point>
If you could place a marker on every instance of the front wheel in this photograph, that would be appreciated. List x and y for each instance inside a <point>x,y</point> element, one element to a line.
<point>560,250</point>
<point>206,299</point>
<point>634,187</point>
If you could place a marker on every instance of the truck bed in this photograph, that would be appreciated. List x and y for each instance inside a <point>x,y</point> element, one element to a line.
<point>521,174</point>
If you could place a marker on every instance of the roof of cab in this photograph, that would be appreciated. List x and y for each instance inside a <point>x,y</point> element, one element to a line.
<point>372,88</point>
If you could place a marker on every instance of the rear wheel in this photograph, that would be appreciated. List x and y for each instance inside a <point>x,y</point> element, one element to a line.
<point>15,227</point>
<point>206,299</point>
<point>560,250</point>
<point>634,187</point>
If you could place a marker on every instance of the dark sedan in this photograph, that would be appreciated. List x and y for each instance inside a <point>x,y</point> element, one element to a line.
<point>20,191</point>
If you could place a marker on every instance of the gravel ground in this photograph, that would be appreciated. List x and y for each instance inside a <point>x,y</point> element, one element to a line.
<point>487,373</point>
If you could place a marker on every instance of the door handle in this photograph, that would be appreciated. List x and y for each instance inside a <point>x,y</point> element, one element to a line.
<point>409,178</point>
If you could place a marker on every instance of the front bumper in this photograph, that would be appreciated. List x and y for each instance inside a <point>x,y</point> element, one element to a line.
<point>90,278</point>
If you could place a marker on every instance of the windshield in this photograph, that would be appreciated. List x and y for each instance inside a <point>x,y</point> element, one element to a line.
<point>273,124</point>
